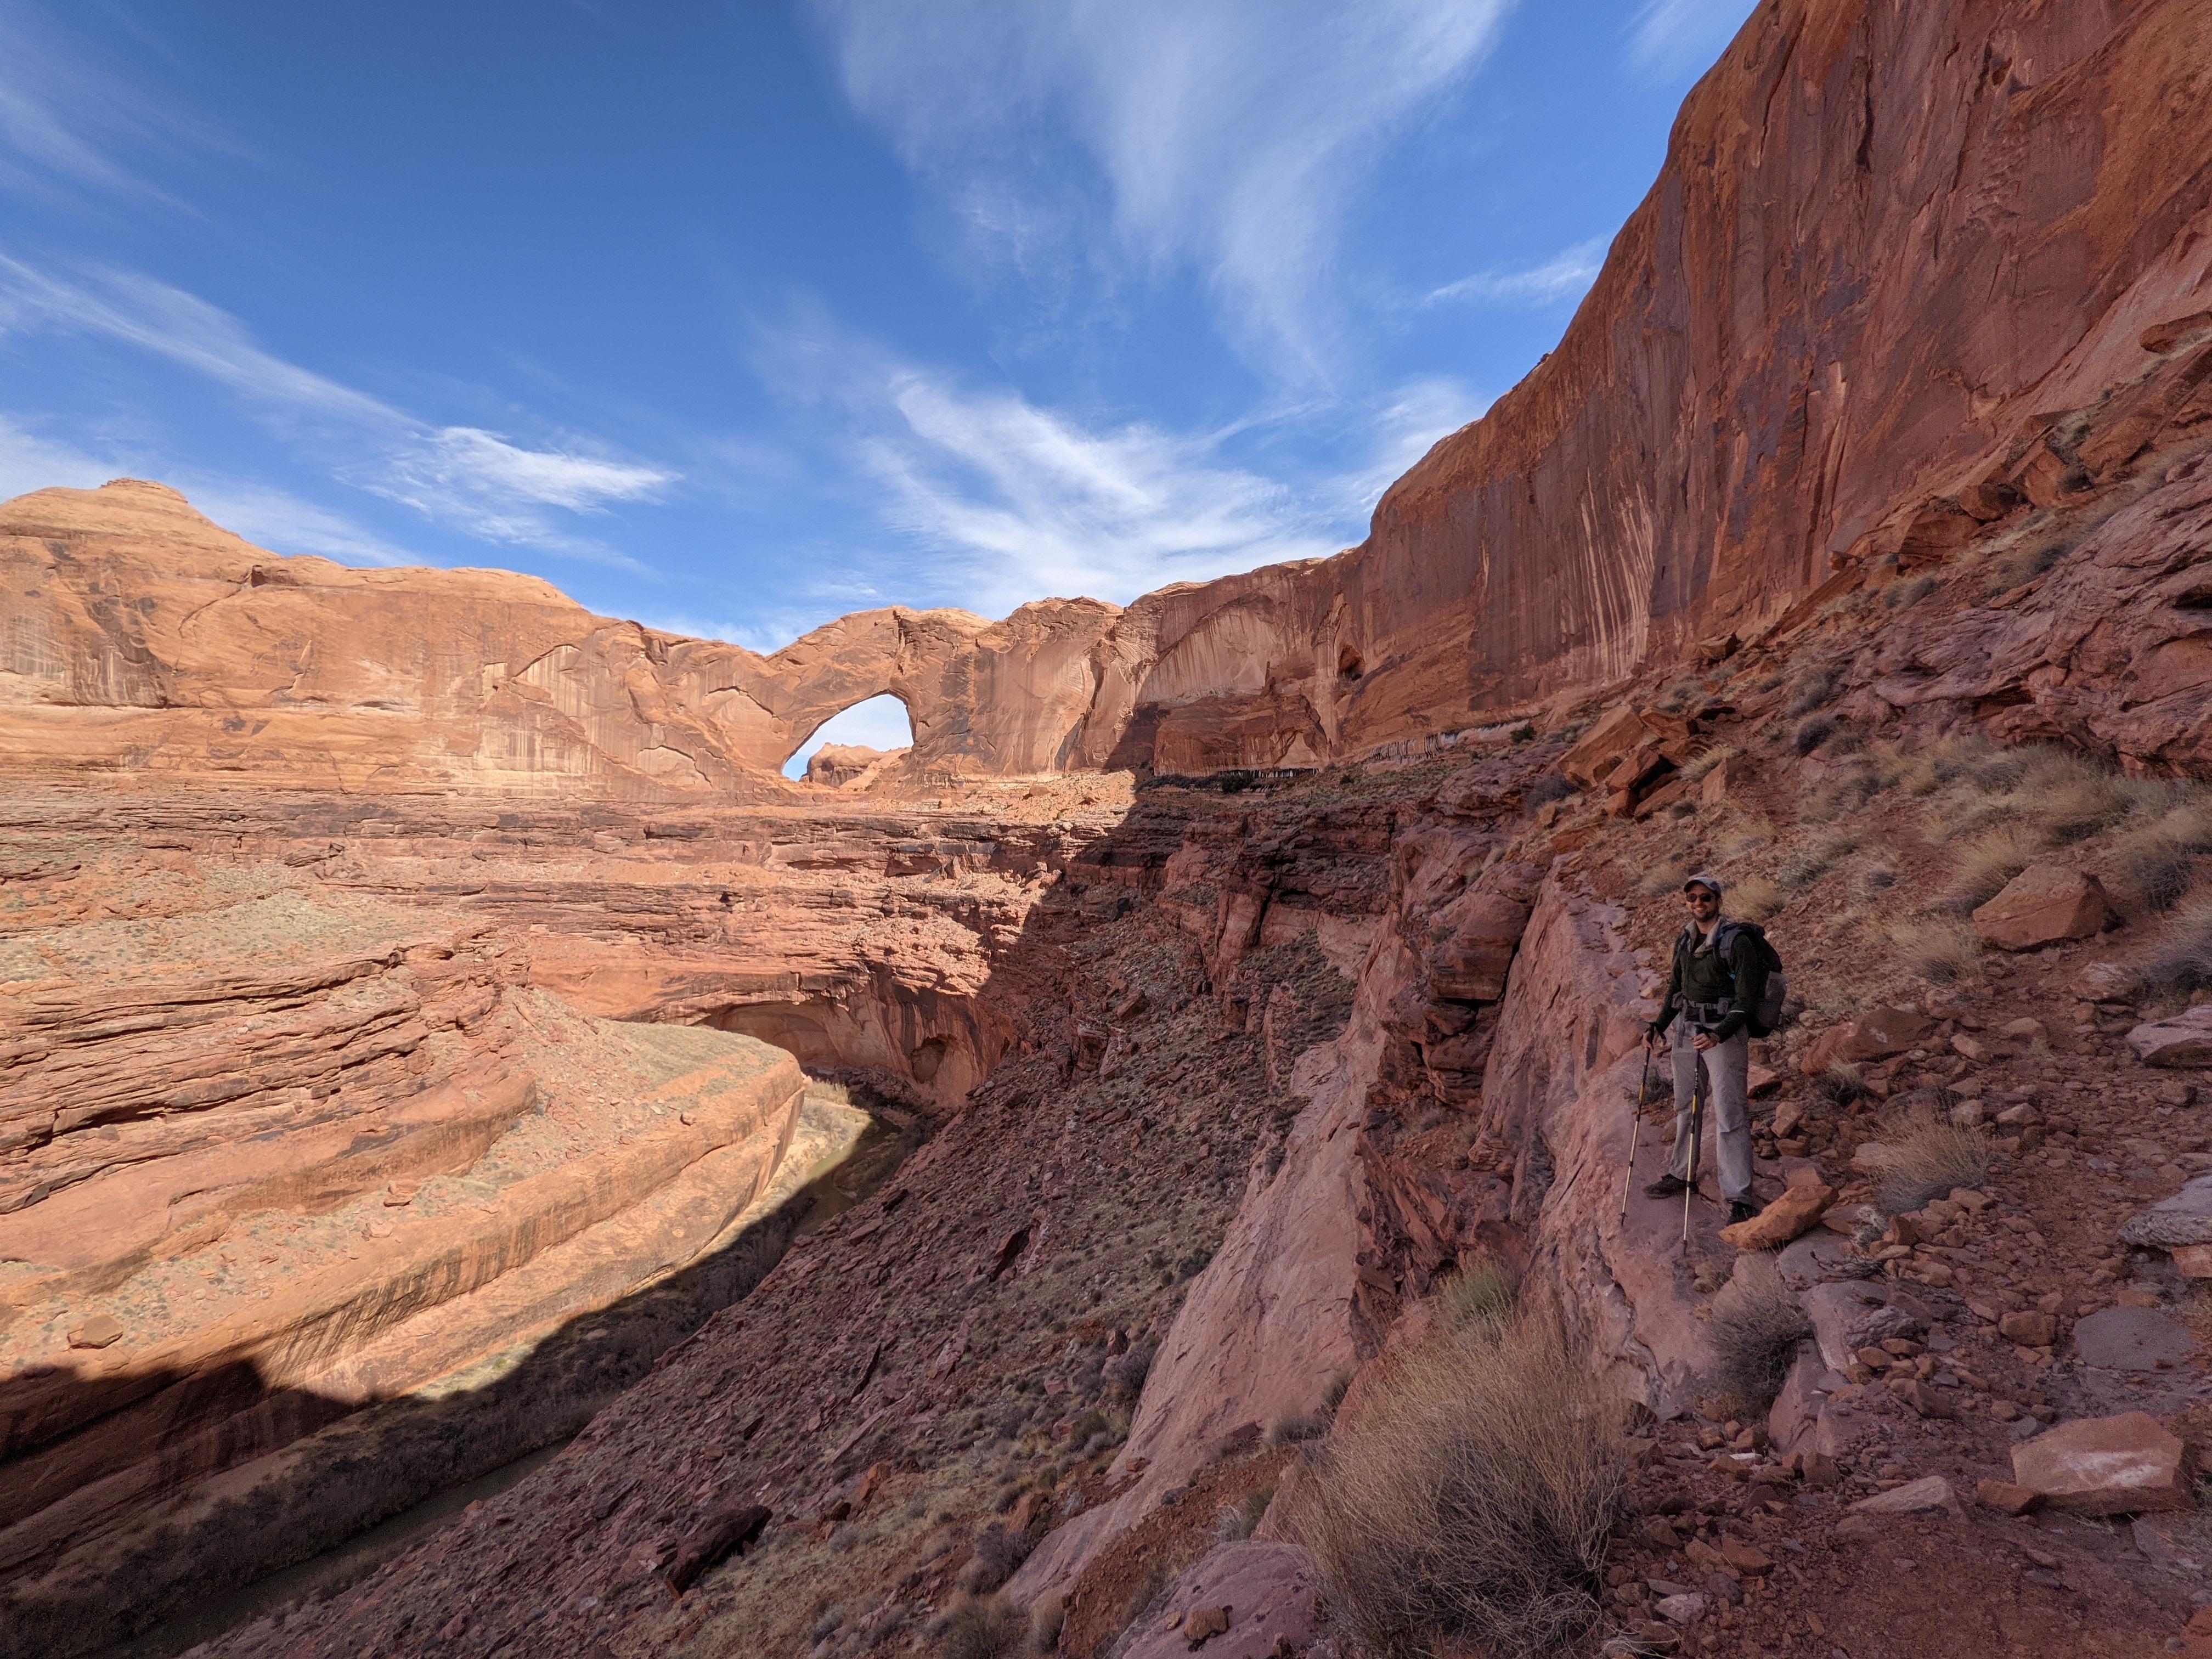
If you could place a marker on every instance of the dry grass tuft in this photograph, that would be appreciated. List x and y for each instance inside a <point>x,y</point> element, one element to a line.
<point>1841,1082</point>
<point>1478,1297</point>
<point>1291,1427</point>
<point>2058,795</point>
<point>1813,689</point>
<point>1930,1156</point>
<point>1812,731</point>
<point>985,1628</point>
<point>2179,956</point>
<point>1985,863</point>
<point>993,1556</point>
<point>1754,899</point>
<point>1471,1499</point>
<point>1816,858</point>
<point>1706,759</point>
<point>1046,1614</point>
<point>1939,951</point>
<point>2157,859</point>
<point>1753,1333</point>
<point>1747,838</point>
<point>1667,878</point>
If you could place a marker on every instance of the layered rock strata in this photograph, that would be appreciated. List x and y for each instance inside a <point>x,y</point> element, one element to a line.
<point>1893,255</point>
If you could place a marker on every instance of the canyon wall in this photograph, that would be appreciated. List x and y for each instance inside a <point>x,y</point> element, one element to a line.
<point>1893,253</point>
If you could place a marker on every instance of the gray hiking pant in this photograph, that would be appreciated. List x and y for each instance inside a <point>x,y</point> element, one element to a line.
<point>1727,1106</point>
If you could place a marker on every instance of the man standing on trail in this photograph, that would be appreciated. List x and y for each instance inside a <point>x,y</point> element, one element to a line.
<point>1708,1003</point>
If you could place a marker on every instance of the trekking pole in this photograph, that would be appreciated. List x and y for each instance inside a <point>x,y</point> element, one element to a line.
<point>1697,1144</point>
<point>1642,1091</point>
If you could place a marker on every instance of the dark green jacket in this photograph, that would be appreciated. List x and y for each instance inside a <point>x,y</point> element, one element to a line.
<point>1699,975</point>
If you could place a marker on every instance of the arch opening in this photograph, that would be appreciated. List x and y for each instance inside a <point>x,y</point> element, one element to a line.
<point>881,724</point>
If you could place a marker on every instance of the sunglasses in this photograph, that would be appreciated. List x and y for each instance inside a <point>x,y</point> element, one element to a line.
<point>1699,898</point>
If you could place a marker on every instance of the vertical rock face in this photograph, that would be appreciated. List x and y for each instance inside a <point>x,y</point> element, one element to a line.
<point>1891,249</point>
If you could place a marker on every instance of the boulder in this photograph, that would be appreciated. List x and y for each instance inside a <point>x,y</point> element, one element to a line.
<point>2044,904</point>
<point>1914,1498</point>
<point>2132,1339</point>
<point>2183,1040</point>
<point>2173,1223</point>
<point>1241,1600</point>
<point>101,1331</point>
<point>1476,936</point>
<point>2005,1497</point>
<point>2104,1466</point>
<point>2028,1329</point>
<point>1603,744</point>
<point>1875,1034</point>
<point>1799,1208</point>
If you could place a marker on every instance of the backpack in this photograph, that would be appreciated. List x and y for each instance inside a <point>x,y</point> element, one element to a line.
<point>1768,1014</point>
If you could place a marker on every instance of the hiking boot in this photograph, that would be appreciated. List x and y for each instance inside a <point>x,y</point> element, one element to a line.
<point>1667,1186</point>
<point>1742,1210</point>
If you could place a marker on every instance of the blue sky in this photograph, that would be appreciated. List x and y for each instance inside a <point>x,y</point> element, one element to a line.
<point>733,317</point>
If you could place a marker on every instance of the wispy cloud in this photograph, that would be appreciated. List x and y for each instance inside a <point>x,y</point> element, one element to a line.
<point>1672,39</point>
<point>30,461</point>
<point>285,523</point>
<point>1031,503</point>
<point>471,479</point>
<point>1565,276</point>
<point>68,119</point>
<point>1000,501</point>
<point>1223,137</point>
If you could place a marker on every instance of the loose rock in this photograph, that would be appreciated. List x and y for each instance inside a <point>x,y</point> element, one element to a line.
<point>2105,1465</point>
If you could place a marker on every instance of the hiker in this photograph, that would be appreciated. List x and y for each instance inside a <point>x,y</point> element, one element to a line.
<point>1708,1005</point>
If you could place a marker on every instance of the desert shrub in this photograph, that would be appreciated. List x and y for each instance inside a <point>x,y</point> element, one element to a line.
<point>985,1628</point>
<point>1478,1295</point>
<point>1904,594</point>
<point>1339,1384</point>
<point>1812,731</point>
<point>1290,1427</point>
<point>1706,759</point>
<point>992,1558</point>
<point>1235,1521</point>
<point>1816,858</point>
<point>1552,786</point>
<point>1127,1371</point>
<point>1929,1155</point>
<point>1877,878</point>
<point>1046,1614</point>
<point>1938,951</point>
<point>1667,877</point>
<point>2154,863</point>
<point>1754,898</point>
<point>1813,688</point>
<point>1985,863</point>
<point>1749,838</point>
<point>1471,1499</point>
<point>2155,859</point>
<point>2039,547</point>
<point>2178,958</point>
<point>1753,1334</point>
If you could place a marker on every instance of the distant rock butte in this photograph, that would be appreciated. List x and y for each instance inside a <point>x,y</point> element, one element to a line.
<point>1789,366</point>
<point>839,766</point>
